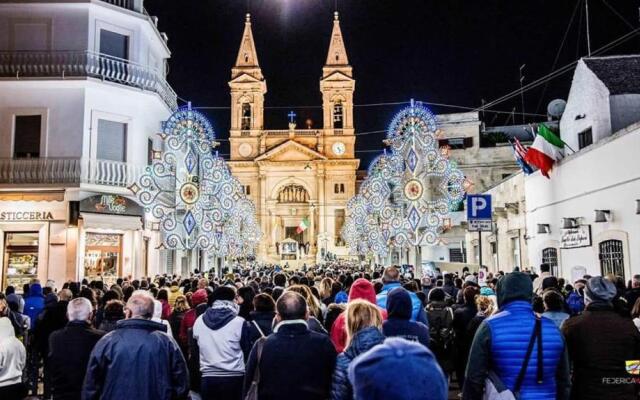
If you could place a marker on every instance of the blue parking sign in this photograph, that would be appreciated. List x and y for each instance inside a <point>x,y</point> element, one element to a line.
<point>478,206</point>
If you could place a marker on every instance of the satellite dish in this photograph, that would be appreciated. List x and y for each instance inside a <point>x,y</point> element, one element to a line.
<point>556,108</point>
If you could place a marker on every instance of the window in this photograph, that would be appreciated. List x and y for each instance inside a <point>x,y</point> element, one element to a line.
<point>455,255</point>
<point>26,136</point>
<point>103,257</point>
<point>112,141</point>
<point>339,222</point>
<point>21,258</point>
<point>494,247</point>
<point>338,115</point>
<point>246,189</point>
<point>246,116</point>
<point>456,143</point>
<point>585,138</point>
<point>338,188</point>
<point>611,258</point>
<point>550,256</point>
<point>149,151</point>
<point>114,44</point>
<point>515,247</point>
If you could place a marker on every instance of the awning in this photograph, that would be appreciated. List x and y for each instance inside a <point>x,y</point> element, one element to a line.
<point>109,221</point>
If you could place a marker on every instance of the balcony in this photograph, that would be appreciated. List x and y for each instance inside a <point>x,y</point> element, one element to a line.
<point>68,171</point>
<point>296,132</point>
<point>81,64</point>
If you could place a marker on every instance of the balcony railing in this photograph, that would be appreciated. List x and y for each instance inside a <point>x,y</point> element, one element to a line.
<point>74,64</point>
<point>297,132</point>
<point>71,171</point>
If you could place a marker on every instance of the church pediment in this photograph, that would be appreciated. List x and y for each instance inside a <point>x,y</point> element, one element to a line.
<point>337,76</point>
<point>291,151</point>
<point>244,78</point>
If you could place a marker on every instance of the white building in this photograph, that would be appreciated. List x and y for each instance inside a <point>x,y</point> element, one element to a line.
<point>82,94</point>
<point>586,218</point>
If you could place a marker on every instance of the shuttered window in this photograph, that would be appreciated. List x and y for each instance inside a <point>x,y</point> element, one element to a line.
<point>112,141</point>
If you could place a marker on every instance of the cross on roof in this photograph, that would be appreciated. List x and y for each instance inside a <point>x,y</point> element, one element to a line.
<point>292,116</point>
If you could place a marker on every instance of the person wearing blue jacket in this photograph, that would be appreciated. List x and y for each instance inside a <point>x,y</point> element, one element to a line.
<point>501,342</point>
<point>363,323</point>
<point>34,303</point>
<point>399,324</point>
<point>138,360</point>
<point>391,280</point>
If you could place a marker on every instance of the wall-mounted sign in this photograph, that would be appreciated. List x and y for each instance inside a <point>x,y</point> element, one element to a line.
<point>575,237</point>
<point>111,204</point>
<point>26,216</point>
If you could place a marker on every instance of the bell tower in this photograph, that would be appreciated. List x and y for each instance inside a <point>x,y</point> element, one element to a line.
<point>248,88</point>
<point>337,86</point>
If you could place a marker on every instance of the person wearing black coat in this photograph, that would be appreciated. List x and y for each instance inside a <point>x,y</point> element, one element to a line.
<point>69,350</point>
<point>398,323</point>
<point>295,363</point>
<point>462,316</point>
<point>139,350</point>
<point>265,312</point>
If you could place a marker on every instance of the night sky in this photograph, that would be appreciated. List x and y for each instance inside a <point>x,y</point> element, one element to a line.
<point>443,51</point>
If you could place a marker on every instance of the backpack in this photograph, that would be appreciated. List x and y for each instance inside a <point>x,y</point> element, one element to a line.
<point>441,332</point>
<point>575,303</point>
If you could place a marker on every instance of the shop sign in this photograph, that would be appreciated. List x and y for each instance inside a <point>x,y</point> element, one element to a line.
<point>579,236</point>
<point>111,204</point>
<point>26,216</point>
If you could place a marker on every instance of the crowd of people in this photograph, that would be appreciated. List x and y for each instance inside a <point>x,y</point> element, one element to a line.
<point>336,331</point>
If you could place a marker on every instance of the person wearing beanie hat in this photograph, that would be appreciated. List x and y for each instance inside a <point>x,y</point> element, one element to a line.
<point>223,341</point>
<point>500,346</point>
<point>398,369</point>
<point>600,341</point>
<point>399,322</point>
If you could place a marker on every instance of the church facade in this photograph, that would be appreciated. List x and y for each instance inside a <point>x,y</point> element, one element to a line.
<point>299,179</point>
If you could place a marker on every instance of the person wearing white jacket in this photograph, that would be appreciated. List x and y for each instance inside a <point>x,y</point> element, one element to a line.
<point>223,340</point>
<point>13,357</point>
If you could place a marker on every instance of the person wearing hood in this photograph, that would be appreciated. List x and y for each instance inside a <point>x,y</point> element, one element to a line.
<point>138,360</point>
<point>363,321</point>
<point>502,342</point>
<point>361,289</point>
<point>174,292</point>
<point>391,280</point>
<point>600,342</point>
<point>34,303</point>
<point>223,341</point>
<point>10,292</point>
<point>399,322</point>
<point>13,358</point>
<point>197,298</point>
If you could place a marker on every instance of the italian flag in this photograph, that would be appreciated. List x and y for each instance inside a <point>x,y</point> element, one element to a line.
<point>304,224</point>
<point>547,148</point>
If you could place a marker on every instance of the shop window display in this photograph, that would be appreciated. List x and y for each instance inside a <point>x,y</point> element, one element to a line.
<point>21,258</point>
<point>103,257</point>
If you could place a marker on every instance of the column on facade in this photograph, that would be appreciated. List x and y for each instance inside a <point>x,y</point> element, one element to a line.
<point>262,213</point>
<point>312,229</point>
<point>272,227</point>
<point>322,207</point>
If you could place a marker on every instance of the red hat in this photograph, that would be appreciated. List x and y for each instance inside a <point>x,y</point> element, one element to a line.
<point>198,297</point>
<point>362,289</point>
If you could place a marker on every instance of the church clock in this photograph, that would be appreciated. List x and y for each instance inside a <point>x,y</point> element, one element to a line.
<point>338,148</point>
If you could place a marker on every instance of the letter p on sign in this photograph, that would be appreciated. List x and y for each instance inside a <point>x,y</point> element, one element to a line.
<point>479,206</point>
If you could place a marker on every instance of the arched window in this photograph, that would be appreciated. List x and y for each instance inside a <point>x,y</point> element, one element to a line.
<point>246,116</point>
<point>611,256</point>
<point>338,115</point>
<point>550,256</point>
